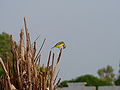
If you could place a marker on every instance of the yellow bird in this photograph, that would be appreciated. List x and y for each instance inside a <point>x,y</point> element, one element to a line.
<point>60,44</point>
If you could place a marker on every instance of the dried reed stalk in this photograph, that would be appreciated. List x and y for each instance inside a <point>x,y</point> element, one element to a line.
<point>8,78</point>
<point>28,71</point>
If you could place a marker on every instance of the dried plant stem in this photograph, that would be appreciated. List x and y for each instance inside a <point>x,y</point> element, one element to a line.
<point>51,79</point>
<point>49,59</point>
<point>57,84</point>
<point>22,44</point>
<point>40,49</point>
<point>56,77</point>
<point>8,78</point>
<point>28,71</point>
<point>28,55</point>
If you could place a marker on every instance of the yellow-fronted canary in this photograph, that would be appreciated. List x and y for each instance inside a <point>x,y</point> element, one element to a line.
<point>60,44</point>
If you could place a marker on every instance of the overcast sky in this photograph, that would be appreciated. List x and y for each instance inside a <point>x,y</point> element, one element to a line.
<point>90,29</point>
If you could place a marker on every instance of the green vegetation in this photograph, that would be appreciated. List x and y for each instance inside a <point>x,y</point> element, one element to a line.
<point>64,83</point>
<point>1,72</point>
<point>106,78</point>
<point>117,82</point>
<point>5,47</point>
<point>90,79</point>
<point>106,73</point>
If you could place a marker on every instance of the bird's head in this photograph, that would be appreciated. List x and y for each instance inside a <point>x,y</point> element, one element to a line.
<point>64,46</point>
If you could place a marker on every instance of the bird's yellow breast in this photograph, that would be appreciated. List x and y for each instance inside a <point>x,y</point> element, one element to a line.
<point>60,45</point>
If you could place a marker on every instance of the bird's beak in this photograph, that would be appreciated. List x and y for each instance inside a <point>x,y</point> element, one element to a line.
<point>64,46</point>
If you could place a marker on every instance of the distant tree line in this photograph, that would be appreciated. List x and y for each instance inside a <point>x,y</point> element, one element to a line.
<point>106,78</point>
